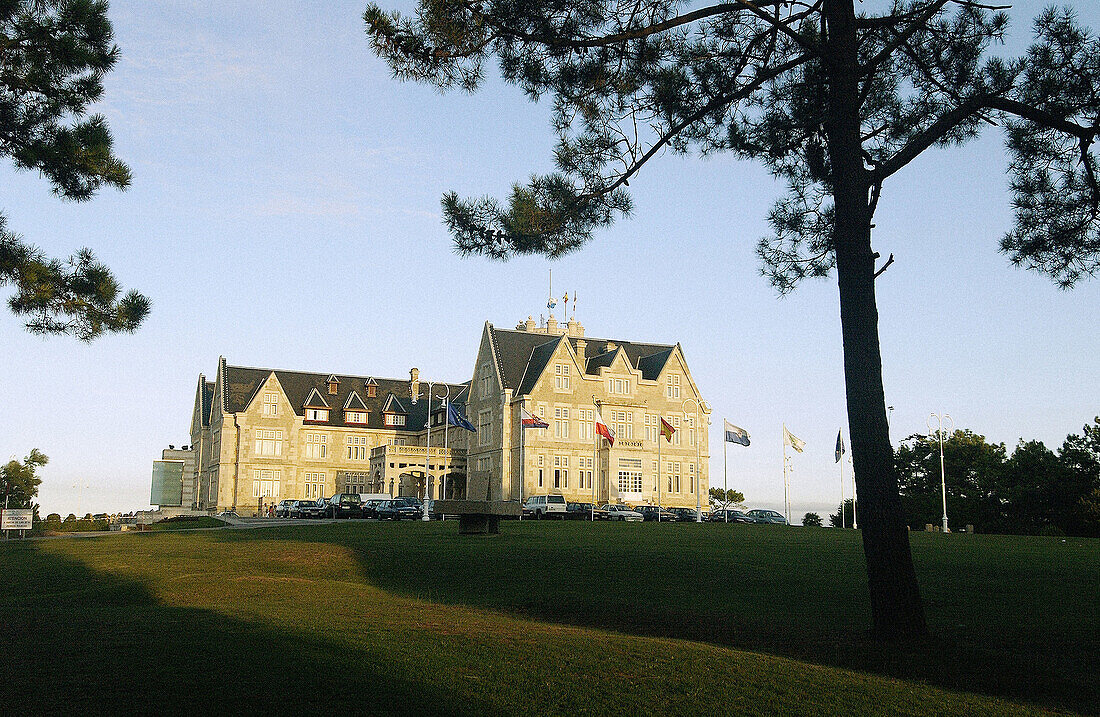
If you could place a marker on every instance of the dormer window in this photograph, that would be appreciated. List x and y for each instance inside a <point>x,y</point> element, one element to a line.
<point>355,417</point>
<point>333,385</point>
<point>395,419</point>
<point>317,414</point>
<point>372,391</point>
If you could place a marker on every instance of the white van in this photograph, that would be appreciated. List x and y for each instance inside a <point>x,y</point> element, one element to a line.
<point>545,506</point>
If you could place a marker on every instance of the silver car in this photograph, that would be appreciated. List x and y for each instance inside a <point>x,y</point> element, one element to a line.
<point>623,512</point>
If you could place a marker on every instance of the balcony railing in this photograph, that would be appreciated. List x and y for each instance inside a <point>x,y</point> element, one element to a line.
<point>420,451</point>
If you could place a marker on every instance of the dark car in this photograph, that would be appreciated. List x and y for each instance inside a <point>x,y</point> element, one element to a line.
<point>311,508</point>
<point>767,516</point>
<point>651,513</point>
<point>399,508</point>
<point>344,505</point>
<point>730,516</point>
<point>683,515</point>
<point>370,508</point>
<point>283,509</point>
<point>584,511</point>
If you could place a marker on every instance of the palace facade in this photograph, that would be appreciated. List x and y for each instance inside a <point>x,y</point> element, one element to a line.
<point>262,435</point>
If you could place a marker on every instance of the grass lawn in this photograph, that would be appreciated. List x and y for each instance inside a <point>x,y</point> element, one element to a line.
<point>545,618</point>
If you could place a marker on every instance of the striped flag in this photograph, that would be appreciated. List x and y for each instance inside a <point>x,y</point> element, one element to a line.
<point>735,434</point>
<point>603,429</point>
<point>528,420</point>
<point>666,429</point>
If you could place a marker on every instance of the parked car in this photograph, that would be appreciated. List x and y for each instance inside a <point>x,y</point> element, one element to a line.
<point>369,509</point>
<point>312,508</point>
<point>584,511</point>
<point>344,505</point>
<point>684,515</point>
<point>545,506</point>
<point>651,512</point>
<point>729,516</point>
<point>622,512</point>
<point>399,508</point>
<point>767,516</point>
<point>282,510</point>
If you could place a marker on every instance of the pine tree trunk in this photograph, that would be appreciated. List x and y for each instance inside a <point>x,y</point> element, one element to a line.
<point>896,610</point>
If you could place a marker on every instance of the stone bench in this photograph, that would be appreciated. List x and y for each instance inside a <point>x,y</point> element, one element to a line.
<point>477,517</point>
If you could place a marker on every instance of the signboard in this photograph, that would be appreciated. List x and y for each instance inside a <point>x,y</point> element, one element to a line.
<point>16,519</point>
<point>628,443</point>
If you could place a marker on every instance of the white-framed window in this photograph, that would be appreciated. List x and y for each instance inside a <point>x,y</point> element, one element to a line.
<point>561,423</point>
<point>540,477</point>
<point>619,386</point>
<point>651,427</point>
<point>672,390</point>
<point>265,482</point>
<point>668,476</point>
<point>484,463</point>
<point>357,448</point>
<point>541,459</point>
<point>587,416</point>
<point>623,424</point>
<point>630,475</point>
<point>562,372</point>
<point>484,428</point>
<point>689,421</point>
<point>395,419</point>
<point>316,446</point>
<point>677,437</point>
<point>313,485</point>
<point>359,417</point>
<point>355,481</point>
<point>586,473</point>
<point>268,443</point>
<point>316,414</point>
<point>271,404</point>
<point>675,477</point>
<point>691,476</point>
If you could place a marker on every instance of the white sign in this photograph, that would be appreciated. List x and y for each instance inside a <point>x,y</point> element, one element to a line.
<point>16,519</point>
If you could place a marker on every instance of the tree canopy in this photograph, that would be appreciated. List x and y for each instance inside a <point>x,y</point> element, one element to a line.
<point>19,481</point>
<point>53,56</point>
<point>833,101</point>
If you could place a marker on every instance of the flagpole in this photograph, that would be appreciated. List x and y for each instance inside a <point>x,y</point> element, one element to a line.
<point>595,460</point>
<point>786,498</point>
<point>855,521</point>
<point>660,436</point>
<point>842,516</point>
<point>446,455</point>
<point>428,453</point>
<point>725,481</point>
<point>522,460</point>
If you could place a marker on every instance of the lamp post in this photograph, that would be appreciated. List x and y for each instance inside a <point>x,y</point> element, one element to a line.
<point>428,449</point>
<point>941,419</point>
<point>698,459</point>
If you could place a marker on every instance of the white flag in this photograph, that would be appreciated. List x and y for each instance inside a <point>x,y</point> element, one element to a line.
<point>789,439</point>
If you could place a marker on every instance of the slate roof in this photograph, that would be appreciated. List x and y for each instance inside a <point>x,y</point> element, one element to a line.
<point>522,356</point>
<point>242,383</point>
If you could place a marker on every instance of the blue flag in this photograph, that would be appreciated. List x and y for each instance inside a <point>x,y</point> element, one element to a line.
<point>736,435</point>
<point>455,418</point>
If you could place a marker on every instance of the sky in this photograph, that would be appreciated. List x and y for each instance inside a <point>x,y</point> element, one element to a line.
<point>285,213</point>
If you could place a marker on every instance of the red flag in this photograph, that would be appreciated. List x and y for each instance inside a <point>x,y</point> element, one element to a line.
<point>603,429</point>
<point>666,429</point>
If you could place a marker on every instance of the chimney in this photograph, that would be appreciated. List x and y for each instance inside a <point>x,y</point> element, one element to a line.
<point>530,324</point>
<point>581,344</point>
<point>551,325</point>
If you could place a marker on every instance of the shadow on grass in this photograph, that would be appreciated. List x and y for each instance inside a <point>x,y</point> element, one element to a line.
<point>1002,626</point>
<point>120,650</point>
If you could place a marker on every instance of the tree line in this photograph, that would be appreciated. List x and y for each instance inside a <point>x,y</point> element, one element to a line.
<point>1031,491</point>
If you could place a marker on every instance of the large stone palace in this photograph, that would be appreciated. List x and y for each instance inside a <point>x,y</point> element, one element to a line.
<point>262,435</point>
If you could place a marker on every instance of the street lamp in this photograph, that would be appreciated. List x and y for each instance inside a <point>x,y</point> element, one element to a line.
<point>428,450</point>
<point>698,461</point>
<point>941,419</point>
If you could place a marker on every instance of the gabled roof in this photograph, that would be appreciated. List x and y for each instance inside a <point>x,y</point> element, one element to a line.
<point>522,356</point>
<point>315,400</point>
<point>354,403</point>
<point>332,379</point>
<point>241,384</point>
<point>393,405</point>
